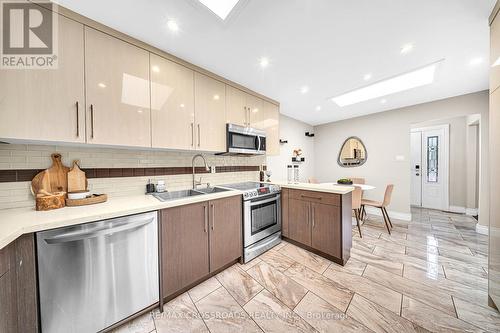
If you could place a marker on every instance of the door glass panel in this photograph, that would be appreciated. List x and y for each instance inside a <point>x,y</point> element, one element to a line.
<point>243,141</point>
<point>264,216</point>
<point>432,159</point>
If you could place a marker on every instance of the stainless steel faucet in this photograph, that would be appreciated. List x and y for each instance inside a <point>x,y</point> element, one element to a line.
<point>195,183</point>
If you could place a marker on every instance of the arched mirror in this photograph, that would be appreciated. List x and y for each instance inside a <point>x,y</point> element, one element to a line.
<point>352,153</point>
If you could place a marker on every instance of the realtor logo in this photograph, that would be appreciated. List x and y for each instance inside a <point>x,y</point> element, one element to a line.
<point>29,35</point>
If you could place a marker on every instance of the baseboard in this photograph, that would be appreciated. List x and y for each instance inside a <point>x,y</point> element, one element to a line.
<point>481,229</point>
<point>392,214</point>
<point>457,209</point>
<point>471,211</point>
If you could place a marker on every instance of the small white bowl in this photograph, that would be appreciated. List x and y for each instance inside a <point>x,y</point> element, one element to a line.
<point>78,195</point>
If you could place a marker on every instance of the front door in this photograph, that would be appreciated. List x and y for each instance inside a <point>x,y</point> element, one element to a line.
<point>432,171</point>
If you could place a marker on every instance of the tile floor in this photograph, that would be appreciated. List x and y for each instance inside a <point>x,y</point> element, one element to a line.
<point>430,275</point>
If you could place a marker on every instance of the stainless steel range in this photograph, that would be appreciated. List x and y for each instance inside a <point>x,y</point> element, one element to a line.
<point>261,217</point>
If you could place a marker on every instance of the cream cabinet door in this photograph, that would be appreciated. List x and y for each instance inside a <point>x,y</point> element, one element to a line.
<point>255,107</point>
<point>47,104</point>
<point>210,113</point>
<point>272,126</point>
<point>495,54</point>
<point>117,86</point>
<point>172,105</point>
<point>236,107</point>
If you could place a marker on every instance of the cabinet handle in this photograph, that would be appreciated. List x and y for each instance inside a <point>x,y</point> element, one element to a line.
<point>77,119</point>
<point>312,212</point>
<point>308,213</point>
<point>199,135</point>
<point>206,219</point>
<point>91,121</point>
<point>192,134</point>
<point>213,217</point>
<point>310,197</point>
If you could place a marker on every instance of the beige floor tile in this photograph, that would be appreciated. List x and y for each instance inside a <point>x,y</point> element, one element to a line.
<point>142,324</point>
<point>377,261</point>
<point>249,264</point>
<point>433,320</point>
<point>280,245</point>
<point>222,313</point>
<point>352,266</point>
<point>373,291</point>
<point>362,245</point>
<point>306,258</point>
<point>330,291</point>
<point>326,318</point>
<point>273,316</point>
<point>378,318</point>
<point>204,289</point>
<point>463,257</point>
<point>481,316</point>
<point>470,280</point>
<point>239,284</point>
<point>450,287</point>
<point>382,243</point>
<point>178,316</point>
<point>417,290</point>
<point>281,286</point>
<point>279,261</point>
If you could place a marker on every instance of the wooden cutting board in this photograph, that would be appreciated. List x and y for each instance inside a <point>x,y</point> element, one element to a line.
<point>54,179</point>
<point>77,181</point>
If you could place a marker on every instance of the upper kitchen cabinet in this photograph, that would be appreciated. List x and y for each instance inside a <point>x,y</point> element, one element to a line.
<point>255,107</point>
<point>495,54</point>
<point>172,105</point>
<point>210,113</point>
<point>47,104</point>
<point>117,86</point>
<point>243,109</point>
<point>271,124</point>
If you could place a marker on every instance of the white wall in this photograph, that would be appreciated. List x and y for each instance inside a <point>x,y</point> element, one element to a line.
<point>386,135</point>
<point>294,132</point>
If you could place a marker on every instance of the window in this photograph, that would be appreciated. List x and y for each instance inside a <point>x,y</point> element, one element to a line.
<point>432,159</point>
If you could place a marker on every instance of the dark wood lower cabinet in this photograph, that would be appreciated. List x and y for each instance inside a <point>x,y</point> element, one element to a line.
<point>320,222</point>
<point>184,246</point>
<point>197,240</point>
<point>225,231</point>
<point>18,288</point>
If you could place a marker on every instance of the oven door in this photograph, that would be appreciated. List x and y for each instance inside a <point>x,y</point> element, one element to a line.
<point>262,218</point>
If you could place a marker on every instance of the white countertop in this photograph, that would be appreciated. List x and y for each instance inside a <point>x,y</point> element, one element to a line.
<point>325,187</point>
<point>19,221</point>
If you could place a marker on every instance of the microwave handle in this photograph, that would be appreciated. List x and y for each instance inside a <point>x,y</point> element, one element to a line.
<point>258,143</point>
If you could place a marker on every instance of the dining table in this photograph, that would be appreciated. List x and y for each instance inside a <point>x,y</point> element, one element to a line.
<point>364,187</point>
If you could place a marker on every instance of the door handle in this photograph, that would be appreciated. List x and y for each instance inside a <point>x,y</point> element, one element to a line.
<point>205,216</point>
<point>77,119</point>
<point>199,135</point>
<point>192,134</point>
<point>213,217</point>
<point>91,121</point>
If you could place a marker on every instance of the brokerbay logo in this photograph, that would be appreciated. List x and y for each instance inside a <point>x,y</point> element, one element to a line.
<point>29,35</point>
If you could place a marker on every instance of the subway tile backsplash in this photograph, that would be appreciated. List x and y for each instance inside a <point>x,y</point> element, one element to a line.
<point>23,160</point>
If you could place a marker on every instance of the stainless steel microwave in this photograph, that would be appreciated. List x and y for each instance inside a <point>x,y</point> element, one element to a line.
<point>245,140</point>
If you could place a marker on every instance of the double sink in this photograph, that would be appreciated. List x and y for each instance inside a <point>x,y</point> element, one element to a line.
<point>175,195</point>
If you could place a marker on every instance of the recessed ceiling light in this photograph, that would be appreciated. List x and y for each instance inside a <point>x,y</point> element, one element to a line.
<point>221,8</point>
<point>264,62</point>
<point>182,105</point>
<point>216,97</point>
<point>497,63</point>
<point>476,61</point>
<point>367,77</point>
<point>407,48</point>
<point>155,69</point>
<point>417,78</point>
<point>304,89</point>
<point>101,85</point>
<point>172,25</point>
<point>318,108</point>
<point>383,101</point>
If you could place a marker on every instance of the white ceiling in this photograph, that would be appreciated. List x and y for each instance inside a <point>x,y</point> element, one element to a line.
<point>328,45</point>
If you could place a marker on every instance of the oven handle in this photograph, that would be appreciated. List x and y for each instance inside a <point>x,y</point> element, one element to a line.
<point>269,241</point>
<point>275,197</point>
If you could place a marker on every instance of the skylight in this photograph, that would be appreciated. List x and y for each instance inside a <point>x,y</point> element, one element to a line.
<point>417,78</point>
<point>221,8</point>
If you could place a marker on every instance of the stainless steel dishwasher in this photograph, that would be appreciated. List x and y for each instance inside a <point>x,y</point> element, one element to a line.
<point>96,274</point>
